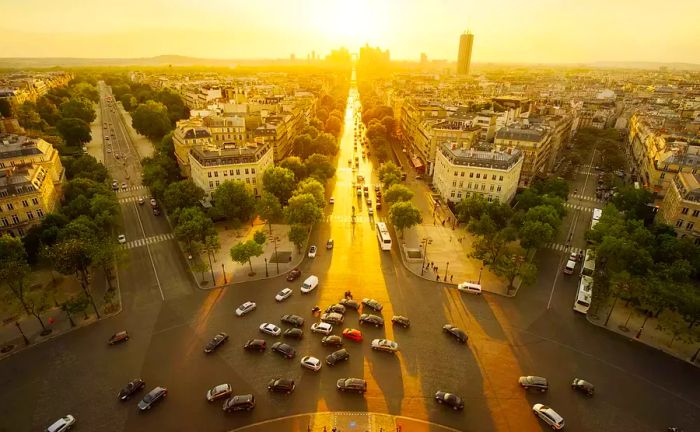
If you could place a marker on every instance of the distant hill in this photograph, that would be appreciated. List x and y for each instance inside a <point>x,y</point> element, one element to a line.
<point>645,65</point>
<point>162,60</point>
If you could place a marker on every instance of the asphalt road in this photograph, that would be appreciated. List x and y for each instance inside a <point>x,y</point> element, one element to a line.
<point>638,389</point>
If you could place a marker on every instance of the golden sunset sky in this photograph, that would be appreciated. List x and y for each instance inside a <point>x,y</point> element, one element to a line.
<point>535,31</point>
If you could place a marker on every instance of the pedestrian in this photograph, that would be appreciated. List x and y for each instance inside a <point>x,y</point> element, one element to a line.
<point>432,264</point>
<point>437,278</point>
<point>451,276</point>
<point>436,269</point>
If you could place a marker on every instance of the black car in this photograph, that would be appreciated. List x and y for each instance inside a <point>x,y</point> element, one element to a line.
<point>240,403</point>
<point>372,304</point>
<point>349,303</point>
<point>284,350</point>
<point>293,275</point>
<point>216,341</point>
<point>336,308</point>
<point>533,382</point>
<point>255,345</point>
<point>352,384</point>
<point>155,395</point>
<point>118,337</point>
<point>337,356</point>
<point>374,320</point>
<point>401,321</point>
<point>130,389</point>
<point>293,333</point>
<point>456,332</point>
<point>332,340</point>
<point>583,386</point>
<point>281,385</point>
<point>294,320</point>
<point>450,399</point>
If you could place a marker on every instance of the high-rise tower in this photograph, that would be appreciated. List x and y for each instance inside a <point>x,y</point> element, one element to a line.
<point>464,56</point>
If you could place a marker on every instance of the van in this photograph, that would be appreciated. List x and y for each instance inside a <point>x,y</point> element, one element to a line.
<point>570,266</point>
<point>469,287</point>
<point>309,284</point>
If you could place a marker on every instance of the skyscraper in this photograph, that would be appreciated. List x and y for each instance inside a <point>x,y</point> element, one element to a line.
<point>464,56</point>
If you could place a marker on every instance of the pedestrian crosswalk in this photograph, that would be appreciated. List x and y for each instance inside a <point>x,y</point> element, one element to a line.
<point>359,218</point>
<point>132,188</point>
<point>563,248</point>
<point>585,198</point>
<point>133,199</point>
<point>578,207</point>
<point>148,240</point>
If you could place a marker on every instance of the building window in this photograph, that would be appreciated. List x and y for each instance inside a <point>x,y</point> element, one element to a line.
<point>238,172</point>
<point>253,180</point>
<point>25,203</point>
<point>252,170</point>
<point>500,178</point>
<point>461,174</point>
<point>483,187</point>
<point>225,174</point>
<point>217,183</point>
<point>30,215</point>
<point>491,188</point>
<point>216,173</point>
<point>40,213</point>
<point>230,172</point>
<point>15,219</point>
<point>493,177</point>
<point>498,189</point>
<point>471,175</point>
<point>4,221</point>
<point>455,173</point>
<point>35,201</point>
<point>689,226</point>
<point>459,195</point>
<point>452,195</point>
<point>679,223</point>
<point>696,213</point>
<point>247,180</point>
<point>461,184</point>
<point>478,175</point>
<point>663,174</point>
<point>684,211</point>
<point>209,174</point>
<point>10,206</point>
<point>211,185</point>
<point>454,183</point>
<point>246,170</point>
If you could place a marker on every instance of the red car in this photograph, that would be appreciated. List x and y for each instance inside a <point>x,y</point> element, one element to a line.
<point>352,334</point>
<point>294,275</point>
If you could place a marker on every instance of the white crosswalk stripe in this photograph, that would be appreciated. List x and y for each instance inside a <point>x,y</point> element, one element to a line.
<point>148,240</point>
<point>132,188</point>
<point>359,219</point>
<point>586,198</point>
<point>578,207</point>
<point>563,248</point>
<point>133,199</point>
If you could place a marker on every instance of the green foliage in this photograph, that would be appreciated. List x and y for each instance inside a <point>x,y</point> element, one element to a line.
<point>85,166</point>
<point>333,125</point>
<point>182,194</point>
<point>74,131</point>
<point>302,145</point>
<point>303,209</point>
<point>176,109</point>
<point>158,171</point>
<point>513,264</point>
<point>298,235</point>
<point>633,202</point>
<point>389,174</point>
<point>404,215</point>
<point>235,200</point>
<point>193,226</point>
<point>5,108</point>
<point>151,119</point>
<point>28,118</point>
<point>314,188</point>
<point>79,108</point>
<point>269,207</point>
<point>244,251</point>
<point>557,187</point>
<point>85,90</point>
<point>319,167</point>
<point>294,164</point>
<point>48,111</point>
<point>259,237</point>
<point>397,193</point>
<point>280,182</point>
<point>534,234</point>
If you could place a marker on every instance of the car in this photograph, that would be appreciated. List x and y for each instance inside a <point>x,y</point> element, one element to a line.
<point>533,382</point>
<point>374,320</point>
<point>115,184</point>
<point>372,304</point>
<point>336,308</point>
<point>153,396</point>
<point>283,295</point>
<point>337,356</point>
<point>549,416</point>
<point>121,238</point>
<point>141,201</point>
<point>271,329</point>
<point>352,334</point>
<point>332,340</point>
<point>573,256</point>
<point>312,363</point>
<point>322,327</point>
<point>293,275</point>
<point>109,150</point>
<point>352,384</point>
<point>130,388</point>
<point>583,386</point>
<point>310,284</point>
<point>246,308</point>
<point>376,188</point>
<point>332,318</point>
<point>293,333</point>
<point>156,212</point>
<point>119,337</point>
<point>401,321</point>
<point>62,424</point>
<point>240,403</point>
<point>369,202</point>
<point>281,385</point>
<point>123,184</point>
<point>378,206</point>
<point>329,244</point>
<point>219,392</point>
<point>450,399</point>
<point>385,345</point>
<point>215,342</point>
<point>370,211</point>
<point>312,251</point>
<point>255,345</point>
<point>294,320</point>
<point>284,350</point>
<point>331,200</point>
<point>153,202</point>
<point>349,303</point>
<point>456,332</point>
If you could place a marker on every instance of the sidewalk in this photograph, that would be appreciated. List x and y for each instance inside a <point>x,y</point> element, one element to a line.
<point>227,272</point>
<point>143,146</point>
<point>627,322</point>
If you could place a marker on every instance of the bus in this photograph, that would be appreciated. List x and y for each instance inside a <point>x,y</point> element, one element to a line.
<point>584,295</point>
<point>588,266</point>
<point>383,236</point>
<point>597,213</point>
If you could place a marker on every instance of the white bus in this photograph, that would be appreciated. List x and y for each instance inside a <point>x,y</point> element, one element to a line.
<point>584,295</point>
<point>383,236</point>
<point>588,266</point>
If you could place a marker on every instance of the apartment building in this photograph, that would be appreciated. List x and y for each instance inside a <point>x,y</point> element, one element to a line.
<point>533,142</point>
<point>189,134</point>
<point>23,150</point>
<point>680,207</point>
<point>461,172</point>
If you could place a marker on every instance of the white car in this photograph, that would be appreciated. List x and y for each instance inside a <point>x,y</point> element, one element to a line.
<point>62,424</point>
<point>322,327</point>
<point>245,308</point>
<point>331,201</point>
<point>549,416</point>
<point>270,329</point>
<point>218,392</point>
<point>385,345</point>
<point>283,295</point>
<point>121,239</point>
<point>311,363</point>
<point>312,251</point>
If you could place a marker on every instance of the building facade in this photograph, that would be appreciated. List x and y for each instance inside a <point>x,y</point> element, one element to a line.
<point>189,134</point>
<point>464,55</point>
<point>534,143</point>
<point>680,207</point>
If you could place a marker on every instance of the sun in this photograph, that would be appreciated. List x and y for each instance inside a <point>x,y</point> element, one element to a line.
<point>348,22</point>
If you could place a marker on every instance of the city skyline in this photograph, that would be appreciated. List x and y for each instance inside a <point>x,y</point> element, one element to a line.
<point>544,31</point>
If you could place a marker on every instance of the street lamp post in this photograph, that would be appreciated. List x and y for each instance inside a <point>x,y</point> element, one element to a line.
<point>266,273</point>
<point>480,270</point>
<point>223,271</point>
<point>446,267</point>
<point>26,341</point>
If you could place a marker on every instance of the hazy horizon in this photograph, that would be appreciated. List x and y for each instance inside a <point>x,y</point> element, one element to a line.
<point>539,31</point>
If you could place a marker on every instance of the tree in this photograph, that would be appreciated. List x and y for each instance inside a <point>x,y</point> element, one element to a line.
<point>389,124</point>
<point>73,306</point>
<point>280,182</point>
<point>86,91</point>
<point>73,256</point>
<point>244,251</point>
<point>298,235</point>
<point>325,144</point>
<point>151,119</point>
<point>5,108</point>
<point>48,111</point>
<point>294,164</point>
<point>181,194</point>
<point>471,207</point>
<point>404,215</point>
<point>389,174</point>
<point>320,167</point>
<point>311,130</point>
<point>313,187</point>
<point>333,125</point>
<point>513,264</point>
<point>492,242</point>
<point>376,130</point>
<point>302,145</point>
<point>74,131</point>
<point>210,245</point>
<point>259,237</point>
<point>193,226</point>
<point>269,208</point>
<point>397,193</point>
<point>85,166</point>
<point>79,108</point>
<point>235,200</point>
<point>303,210</point>
<point>534,234</point>
<point>633,202</point>
<point>551,186</point>
<point>28,118</point>
<point>544,214</point>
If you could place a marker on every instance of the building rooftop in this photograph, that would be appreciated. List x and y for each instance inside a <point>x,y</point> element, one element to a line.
<point>12,146</point>
<point>230,156</point>
<point>521,134</point>
<point>487,159</point>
